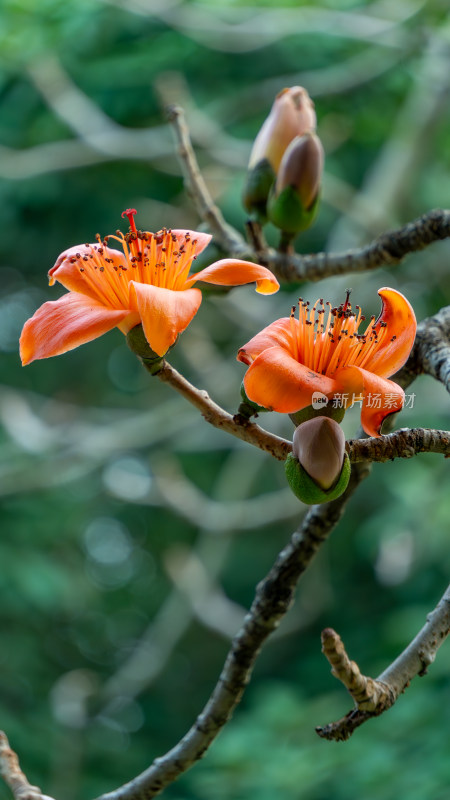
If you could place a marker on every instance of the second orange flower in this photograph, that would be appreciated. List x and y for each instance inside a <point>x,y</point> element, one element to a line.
<point>320,352</point>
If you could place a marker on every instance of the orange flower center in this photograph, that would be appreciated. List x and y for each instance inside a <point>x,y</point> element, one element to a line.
<point>326,345</point>
<point>161,259</point>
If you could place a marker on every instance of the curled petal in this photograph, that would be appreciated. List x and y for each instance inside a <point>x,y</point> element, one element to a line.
<point>60,325</point>
<point>230,272</point>
<point>277,381</point>
<point>400,321</point>
<point>278,333</point>
<point>380,396</point>
<point>164,313</point>
<point>70,270</point>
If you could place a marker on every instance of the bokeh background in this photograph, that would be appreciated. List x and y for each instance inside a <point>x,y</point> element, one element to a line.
<point>132,534</point>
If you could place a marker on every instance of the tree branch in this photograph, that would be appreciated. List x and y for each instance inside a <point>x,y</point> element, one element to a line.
<point>238,426</point>
<point>389,248</point>
<point>401,444</point>
<point>431,351</point>
<point>404,443</point>
<point>226,236</point>
<point>13,775</point>
<point>373,697</point>
<point>274,596</point>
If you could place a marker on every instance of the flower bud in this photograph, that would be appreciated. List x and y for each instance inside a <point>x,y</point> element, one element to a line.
<point>294,199</point>
<point>319,468</point>
<point>292,115</point>
<point>319,445</point>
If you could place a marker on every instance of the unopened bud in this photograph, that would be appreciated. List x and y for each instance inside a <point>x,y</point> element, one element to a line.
<point>319,468</point>
<point>292,115</point>
<point>319,445</point>
<point>294,199</point>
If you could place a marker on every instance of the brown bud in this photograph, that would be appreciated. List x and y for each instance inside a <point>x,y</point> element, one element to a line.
<point>292,115</point>
<point>319,446</point>
<point>301,168</point>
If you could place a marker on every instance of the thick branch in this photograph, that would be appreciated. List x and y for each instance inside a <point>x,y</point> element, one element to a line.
<point>373,697</point>
<point>273,599</point>
<point>404,443</point>
<point>389,248</point>
<point>431,351</point>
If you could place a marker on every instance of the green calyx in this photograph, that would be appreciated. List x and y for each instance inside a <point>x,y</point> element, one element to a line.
<point>309,412</point>
<point>258,184</point>
<point>307,490</point>
<point>248,408</point>
<point>288,213</point>
<point>137,342</point>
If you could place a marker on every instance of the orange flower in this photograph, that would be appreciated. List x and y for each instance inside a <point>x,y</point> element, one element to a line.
<point>293,358</point>
<point>148,283</point>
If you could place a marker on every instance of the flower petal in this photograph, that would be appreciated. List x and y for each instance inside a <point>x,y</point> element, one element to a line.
<point>230,272</point>
<point>400,321</point>
<point>199,239</point>
<point>60,325</point>
<point>277,381</point>
<point>164,313</point>
<point>380,396</point>
<point>87,269</point>
<point>277,333</point>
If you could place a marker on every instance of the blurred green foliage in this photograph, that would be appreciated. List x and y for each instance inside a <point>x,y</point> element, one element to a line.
<point>109,482</point>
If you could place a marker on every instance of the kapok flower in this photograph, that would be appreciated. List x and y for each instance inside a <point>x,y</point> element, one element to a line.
<point>147,283</point>
<point>292,358</point>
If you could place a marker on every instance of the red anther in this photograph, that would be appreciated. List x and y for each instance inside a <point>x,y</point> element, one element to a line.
<point>130,212</point>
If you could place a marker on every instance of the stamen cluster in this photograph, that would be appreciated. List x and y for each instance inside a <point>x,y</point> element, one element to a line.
<point>328,344</point>
<point>161,259</point>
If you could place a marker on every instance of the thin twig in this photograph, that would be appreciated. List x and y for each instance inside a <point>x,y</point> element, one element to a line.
<point>368,694</point>
<point>217,416</point>
<point>13,775</point>
<point>274,596</point>
<point>373,697</point>
<point>225,235</point>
